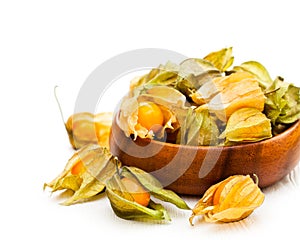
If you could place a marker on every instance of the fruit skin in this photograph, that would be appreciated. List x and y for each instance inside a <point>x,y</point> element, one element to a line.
<point>217,194</point>
<point>150,116</point>
<point>137,191</point>
<point>78,168</point>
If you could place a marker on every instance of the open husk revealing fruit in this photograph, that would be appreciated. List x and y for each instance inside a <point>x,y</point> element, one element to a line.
<point>85,173</point>
<point>233,199</point>
<point>129,191</point>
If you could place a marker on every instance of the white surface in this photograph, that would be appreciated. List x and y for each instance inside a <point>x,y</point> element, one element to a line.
<point>48,43</point>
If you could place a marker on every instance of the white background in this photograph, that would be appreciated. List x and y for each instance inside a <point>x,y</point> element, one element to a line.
<point>48,43</point>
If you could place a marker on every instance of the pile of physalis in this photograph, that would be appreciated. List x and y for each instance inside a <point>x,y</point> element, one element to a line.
<point>202,102</point>
<point>198,102</point>
<point>93,170</point>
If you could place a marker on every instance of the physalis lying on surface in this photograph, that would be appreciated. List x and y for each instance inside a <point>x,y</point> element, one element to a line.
<point>93,170</point>
<point>85,173</point>
<point>129,192</point>
<point>233,199</point>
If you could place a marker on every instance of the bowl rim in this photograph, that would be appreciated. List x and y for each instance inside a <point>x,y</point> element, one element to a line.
<point>269,140</point>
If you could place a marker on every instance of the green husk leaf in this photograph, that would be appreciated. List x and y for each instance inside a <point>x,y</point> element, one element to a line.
<point>275,100</point>
<point>193,74</point>
<point>162,75</point>
<point>99,165</point>
<point>91,185</point>
<point>160,208</point>
<point>291,112</point>
<point>89,188</point>
<point>199,128</point>
<point>195,67</point>
<point>155,187</point>
<point>124,206</point>
<point>69,181</point>
<point>166,75</point>
<point>247,125</point>
<point>222,59</point>
<point>163,95</point>
<point>282,104</point>
<point>258,70</point>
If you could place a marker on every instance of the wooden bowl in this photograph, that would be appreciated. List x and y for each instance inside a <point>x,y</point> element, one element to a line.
<point>192,170</point>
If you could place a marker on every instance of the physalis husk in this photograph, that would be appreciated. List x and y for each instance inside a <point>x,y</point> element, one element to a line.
<point>247,125</point>
<point>221,59</point>
<point>163,97</point>
<point>85,174</point>
<point>86,128</point>
<point>233,199</point>
<point>129,191</point>
<point>232,93</point>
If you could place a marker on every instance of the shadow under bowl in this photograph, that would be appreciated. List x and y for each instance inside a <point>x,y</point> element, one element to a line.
<point>191,170</point>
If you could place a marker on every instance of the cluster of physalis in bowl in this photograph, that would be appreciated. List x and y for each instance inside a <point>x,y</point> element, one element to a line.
<point>204,103</point>
<point>199,128</point>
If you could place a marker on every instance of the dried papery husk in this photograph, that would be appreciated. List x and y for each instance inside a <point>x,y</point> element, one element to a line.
<point>166,98</point>
<point>221,59</point>
<point>247,125</point>
<point>103,122</point>
<point>230,200</point>
<point>241,94</point>
<point>162,75</point>
<point>258,70</point>
<point>193,68</point>
<point>86,128</point>
<point>81,129</point>
<point>198,129</point>
<point>170,122</point>
<point>193,74</point>
<point>163,95</point>
<point>124,202</point>
<point>282,104</point>
<point>85,173</point>
<point>128,120</point>
<point>128,117</point>
<point>211,88</point>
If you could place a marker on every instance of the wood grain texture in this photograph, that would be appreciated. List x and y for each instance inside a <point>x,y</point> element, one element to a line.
<point>192,170</point>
